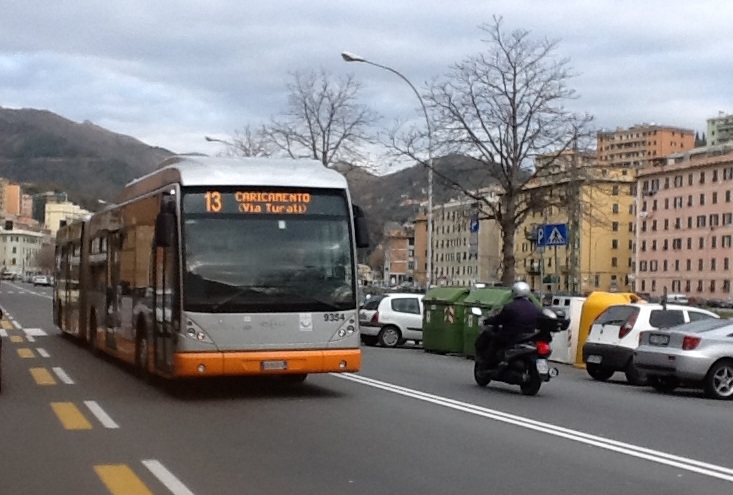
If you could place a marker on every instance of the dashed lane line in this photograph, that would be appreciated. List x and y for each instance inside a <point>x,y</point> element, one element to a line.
<point>121,480</point>
<point>70,416</point>
<point>166,477</point>
<point>43,352</point>
<point>63,376</point>
<point>26,353</point>
<point>42,376</point>
<point>100,414</point>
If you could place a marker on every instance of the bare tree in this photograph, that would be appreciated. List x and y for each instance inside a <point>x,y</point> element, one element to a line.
<point>505,108</point>
<point>250,142</point>
<point>45,258</point>
<point>324,120</point>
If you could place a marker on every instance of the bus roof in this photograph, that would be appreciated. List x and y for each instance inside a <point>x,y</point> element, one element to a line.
<point>219,171</point>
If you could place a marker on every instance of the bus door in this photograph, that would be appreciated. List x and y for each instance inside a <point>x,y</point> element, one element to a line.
<point>165,306</point>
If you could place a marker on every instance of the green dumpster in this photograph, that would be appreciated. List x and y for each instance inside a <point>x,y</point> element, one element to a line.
<point>486,298</point>
<point>442,330</point>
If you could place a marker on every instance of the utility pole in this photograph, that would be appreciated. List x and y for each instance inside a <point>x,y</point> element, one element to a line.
<point>574,192</point>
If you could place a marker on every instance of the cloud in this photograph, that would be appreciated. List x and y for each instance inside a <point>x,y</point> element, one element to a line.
<point>170,72</point>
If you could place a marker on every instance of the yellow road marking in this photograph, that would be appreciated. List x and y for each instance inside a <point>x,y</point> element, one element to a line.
<point>42,376</point>
<point>16,339</point>
<point>70,416</point>
<point>26,353</point>
<point>6,325</point>
<point>121,480</point>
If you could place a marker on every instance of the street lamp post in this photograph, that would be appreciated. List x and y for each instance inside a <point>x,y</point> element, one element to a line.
<point>350,57</point>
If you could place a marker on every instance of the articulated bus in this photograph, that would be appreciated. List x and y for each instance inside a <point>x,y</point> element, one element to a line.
<point>218,266</point>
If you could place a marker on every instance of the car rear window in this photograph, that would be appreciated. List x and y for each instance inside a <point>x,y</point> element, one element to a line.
<point>406,305</point>
<point>702,326</point>
<point>665,318</point>
<point>616,315</point>
<point>373,303</point>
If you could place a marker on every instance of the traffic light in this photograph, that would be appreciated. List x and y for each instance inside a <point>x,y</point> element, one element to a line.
<point>8,225</point>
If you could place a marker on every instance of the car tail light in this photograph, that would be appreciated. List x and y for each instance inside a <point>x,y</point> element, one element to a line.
<point>543,349</point>
<point>626,327</point>
<point>690,342</point>
<point>375,317</point>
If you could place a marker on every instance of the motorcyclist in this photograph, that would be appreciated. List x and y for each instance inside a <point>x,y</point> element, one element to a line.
<point>517,318</point>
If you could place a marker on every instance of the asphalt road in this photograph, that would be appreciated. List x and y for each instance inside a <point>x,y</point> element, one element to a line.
<point>409,422</point>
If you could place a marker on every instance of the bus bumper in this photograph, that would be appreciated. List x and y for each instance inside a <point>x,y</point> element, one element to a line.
<point>266,362</point>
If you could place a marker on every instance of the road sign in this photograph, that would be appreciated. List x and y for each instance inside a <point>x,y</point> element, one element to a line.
<point>552,234</point>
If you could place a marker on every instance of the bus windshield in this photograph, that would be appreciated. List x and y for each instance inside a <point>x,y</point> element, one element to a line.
<point>266,250</point>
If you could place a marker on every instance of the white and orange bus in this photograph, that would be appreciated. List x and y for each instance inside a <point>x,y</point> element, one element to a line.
<point>218,266</point>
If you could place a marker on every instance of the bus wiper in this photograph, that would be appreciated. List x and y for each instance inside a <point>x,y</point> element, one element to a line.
<point>243,289</point>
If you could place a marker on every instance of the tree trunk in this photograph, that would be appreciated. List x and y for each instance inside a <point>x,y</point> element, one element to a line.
<point>508,232</point>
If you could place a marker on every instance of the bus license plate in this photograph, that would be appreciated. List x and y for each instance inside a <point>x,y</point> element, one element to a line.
<point>274,365</point>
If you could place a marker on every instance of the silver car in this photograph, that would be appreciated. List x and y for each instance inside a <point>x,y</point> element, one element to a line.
<point>697,354</point>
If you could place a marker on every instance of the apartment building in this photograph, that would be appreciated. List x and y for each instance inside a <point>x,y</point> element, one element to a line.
<point>685,231</point>
<point>720,129</point>
<point>19,250</point>
<point>466,243</point>
<point>642,145</point>
<point>597,208</point>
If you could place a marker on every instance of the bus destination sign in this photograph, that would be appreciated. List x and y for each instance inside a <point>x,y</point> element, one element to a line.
<point>265,202</point>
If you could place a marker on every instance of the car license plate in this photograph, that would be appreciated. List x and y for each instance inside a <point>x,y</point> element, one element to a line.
<point>594,359</point>
<point>542,367</point>
<point>658,339</point>
<point>274,365</point>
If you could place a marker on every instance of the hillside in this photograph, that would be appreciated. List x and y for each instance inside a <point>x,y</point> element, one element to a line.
<point>85,160</point>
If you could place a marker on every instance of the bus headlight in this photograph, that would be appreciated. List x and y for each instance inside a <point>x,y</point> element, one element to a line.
<point>194,332</point>
<point>345,330</point>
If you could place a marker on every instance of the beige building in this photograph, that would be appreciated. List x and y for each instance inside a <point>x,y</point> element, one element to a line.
<point>466,244</point>
<point>19,250</point>
<point>597,209</point>
<point>56,211</point>
<point>685,234</point>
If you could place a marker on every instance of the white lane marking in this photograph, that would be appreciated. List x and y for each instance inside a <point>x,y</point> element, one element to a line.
<point>100,414</point>
<point>692,465</point>
<point>30,339</point>
<point>63,376</point>
<point>35,332</point>
<point>17,325</point>
<point>43,352</point>
<point>3,332</point>
<point>166,477</point>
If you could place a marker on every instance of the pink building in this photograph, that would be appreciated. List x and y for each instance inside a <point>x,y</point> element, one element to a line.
<point>685,225</point>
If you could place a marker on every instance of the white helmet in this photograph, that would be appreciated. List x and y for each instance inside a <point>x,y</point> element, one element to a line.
<point>520,289</point>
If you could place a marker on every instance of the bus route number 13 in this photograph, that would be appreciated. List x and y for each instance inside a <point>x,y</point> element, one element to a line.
<point>213,201</point>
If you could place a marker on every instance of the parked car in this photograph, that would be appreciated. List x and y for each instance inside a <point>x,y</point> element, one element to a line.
<point>41,280</point>
<point>392,319</point>
<point>614,335</point>
<point>698,354</point>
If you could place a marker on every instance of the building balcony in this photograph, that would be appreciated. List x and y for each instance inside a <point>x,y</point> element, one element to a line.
<point>534,268</point>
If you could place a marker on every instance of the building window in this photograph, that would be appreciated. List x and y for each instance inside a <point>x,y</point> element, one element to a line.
<point>715,198</point>
<point>702,199</point>
<point>687,285</point>
<point>700,265</point>
<point>614,226</point>
<point>614,262</point>
<point>713,264</point>
<point>702,177</point>
<point>615,208</point>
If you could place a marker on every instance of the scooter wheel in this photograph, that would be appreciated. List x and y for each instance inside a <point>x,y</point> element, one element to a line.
<point>480,376</point>
<point>532,386</point>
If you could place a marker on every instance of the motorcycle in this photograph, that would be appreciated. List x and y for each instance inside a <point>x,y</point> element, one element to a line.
<point>524,362</point>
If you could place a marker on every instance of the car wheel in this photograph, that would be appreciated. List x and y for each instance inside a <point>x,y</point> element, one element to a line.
<point>598,372</point>
<point>389,336</point>
<point>719,381</point>
<point>633,375</point>
<point>369,340</point>
<point>663,384</point>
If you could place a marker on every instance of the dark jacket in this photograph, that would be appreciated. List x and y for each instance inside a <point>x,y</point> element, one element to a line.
<point>520,316</point>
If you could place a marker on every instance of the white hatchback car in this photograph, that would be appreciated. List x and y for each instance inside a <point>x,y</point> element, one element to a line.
<point>614,335</point>
<point>392,319</point>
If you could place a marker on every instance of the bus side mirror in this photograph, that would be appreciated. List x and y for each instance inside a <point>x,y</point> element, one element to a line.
<point>361,229</point>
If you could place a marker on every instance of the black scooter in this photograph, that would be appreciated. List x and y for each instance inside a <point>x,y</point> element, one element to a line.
<point>524,362</point>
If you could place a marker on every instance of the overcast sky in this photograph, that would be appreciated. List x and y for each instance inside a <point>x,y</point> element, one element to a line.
<point>170,72</point>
